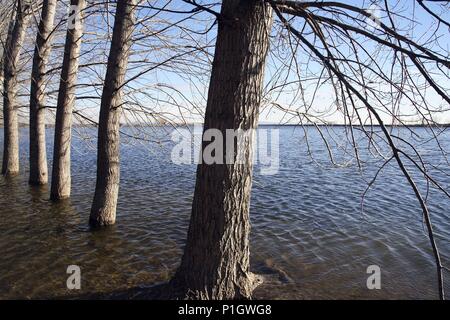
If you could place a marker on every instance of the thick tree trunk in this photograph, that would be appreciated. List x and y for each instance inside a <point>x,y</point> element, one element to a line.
<point>103,210</point>
<point>215,264</point>
<point>14,43</point>
<point>61,174</point>
<point>38,154</point>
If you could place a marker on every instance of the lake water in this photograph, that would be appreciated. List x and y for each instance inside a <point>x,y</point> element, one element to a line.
<point>309,235</point>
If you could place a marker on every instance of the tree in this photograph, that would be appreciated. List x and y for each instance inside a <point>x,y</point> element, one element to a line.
<point>38,154</point>
<point>61,173</point>
<point>103,211</point>
<point>13,47</point>
<point>216,261</point>
<point>6,25</point>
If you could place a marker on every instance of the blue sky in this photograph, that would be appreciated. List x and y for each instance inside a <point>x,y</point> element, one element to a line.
<point>171,93</point>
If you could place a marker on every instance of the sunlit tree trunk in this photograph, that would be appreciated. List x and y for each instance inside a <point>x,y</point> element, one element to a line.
<point>14,43</point>
<point>216,264</point>
<point>61,173</point>
<point>103,210</point>
<point>38,154</point>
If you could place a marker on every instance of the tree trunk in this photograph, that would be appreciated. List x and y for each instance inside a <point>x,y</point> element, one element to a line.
<point>38,154</point>
<point>4,33</point>
<point>10,118</point>
<point>61,175</point>
<point>216,263</point>
<point>103,210</point>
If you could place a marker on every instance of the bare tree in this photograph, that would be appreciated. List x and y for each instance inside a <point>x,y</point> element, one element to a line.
<point>11,124</point>
<point>38,154</point>
<point>104,205</point>
<point>370,65</point>
<point>7,15</point>
<point>216,260</point>
<point>61,173</point>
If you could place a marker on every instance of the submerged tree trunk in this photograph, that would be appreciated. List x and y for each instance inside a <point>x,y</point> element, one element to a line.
<point>215,264</point>
<point>14,43</point>
<point>103,211</point>
<point>38,154</point>
<point>61,173</point>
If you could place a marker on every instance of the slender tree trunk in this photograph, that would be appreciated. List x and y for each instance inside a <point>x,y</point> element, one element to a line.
<point>215,264</point>
<point>4,33</point>
<point>61,175</point>
<point>10,118</point>
<point>103,210</point>
<point>38,153</point>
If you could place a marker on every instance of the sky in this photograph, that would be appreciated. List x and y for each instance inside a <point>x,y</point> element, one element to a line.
<point>324,102</point>
<point>177,91</point>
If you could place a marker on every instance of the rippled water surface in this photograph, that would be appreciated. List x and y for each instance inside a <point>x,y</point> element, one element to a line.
<point>309,235</point>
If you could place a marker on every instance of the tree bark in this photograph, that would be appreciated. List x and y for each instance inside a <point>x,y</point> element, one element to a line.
<point>38,153</point>
<point>61,172</point>
<point>103,211</point>
<point>10,165</point>
<point>4,33</point>
<point>216,263</point>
